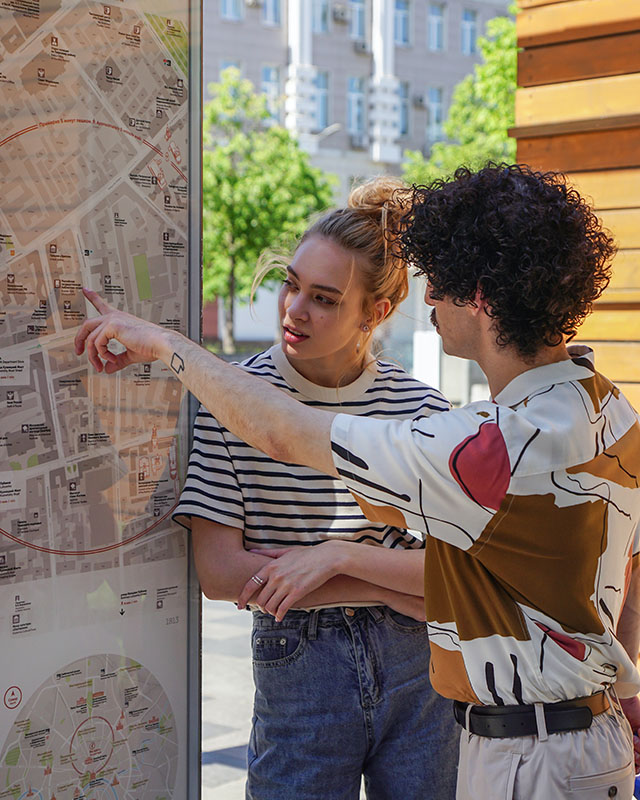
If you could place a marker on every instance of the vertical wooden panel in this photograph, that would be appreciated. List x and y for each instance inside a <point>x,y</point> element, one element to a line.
<point>580,114</point>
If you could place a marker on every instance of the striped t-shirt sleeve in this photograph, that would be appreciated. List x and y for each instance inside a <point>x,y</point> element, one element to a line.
<point>211,474</point>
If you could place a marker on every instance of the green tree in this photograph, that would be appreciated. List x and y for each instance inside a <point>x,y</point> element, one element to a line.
<point>258,190</point>
<point>481,111</point>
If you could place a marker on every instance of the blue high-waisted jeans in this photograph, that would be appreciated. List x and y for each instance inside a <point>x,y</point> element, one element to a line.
<point>342,693</point>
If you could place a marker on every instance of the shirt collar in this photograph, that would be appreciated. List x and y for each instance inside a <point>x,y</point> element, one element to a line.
<point>576,368</point>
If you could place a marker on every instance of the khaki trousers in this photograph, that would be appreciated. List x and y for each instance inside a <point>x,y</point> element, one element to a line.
<point>591,764</point>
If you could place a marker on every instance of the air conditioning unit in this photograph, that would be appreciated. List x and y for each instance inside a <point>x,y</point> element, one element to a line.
<point>340,13</point>
<point>253,3</point>
<point>418,101</point>
<point>360,46</point>
<point>358,141</point>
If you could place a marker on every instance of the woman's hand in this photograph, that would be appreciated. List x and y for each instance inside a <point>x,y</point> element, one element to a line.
<point>293,573</point>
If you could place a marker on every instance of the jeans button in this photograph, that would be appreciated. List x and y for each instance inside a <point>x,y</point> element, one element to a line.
<point>349,612</point>
<point>613,791</point>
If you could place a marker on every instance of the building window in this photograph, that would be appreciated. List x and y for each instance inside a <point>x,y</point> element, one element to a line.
<point>436,115</point>
<point>270,88</point>
<point>321,113</point>
<point>355,106</point>
<point>469,32</point>
<point>271,12</point>
<point>401,23</point>
<point>231,9</point>
<point>403,95</point>
<point>320,16</point>
<point>436,27</point>
<point>357,19</point>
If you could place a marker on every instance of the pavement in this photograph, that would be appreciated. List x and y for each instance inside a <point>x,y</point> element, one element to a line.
<point>227,699</point>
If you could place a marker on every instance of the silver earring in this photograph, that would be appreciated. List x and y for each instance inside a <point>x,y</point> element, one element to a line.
<point>365,328</point>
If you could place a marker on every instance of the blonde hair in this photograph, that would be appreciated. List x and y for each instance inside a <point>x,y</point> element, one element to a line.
<point>367,228</point>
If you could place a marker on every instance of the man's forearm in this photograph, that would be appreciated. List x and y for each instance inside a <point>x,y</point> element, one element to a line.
<point>629,624</point>
<point>400,570</point>
<point>254,410</point>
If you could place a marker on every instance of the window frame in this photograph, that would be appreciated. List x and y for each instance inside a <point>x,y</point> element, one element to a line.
<point>469,31</point>
<point>359,98</point>
<point>441,27</point>
<point>238,5</point>
<point>406,15</point>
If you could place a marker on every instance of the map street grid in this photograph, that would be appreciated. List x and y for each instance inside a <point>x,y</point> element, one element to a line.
<point>94,144</point>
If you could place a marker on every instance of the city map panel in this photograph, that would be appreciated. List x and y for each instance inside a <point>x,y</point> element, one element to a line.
<point>93,151</point>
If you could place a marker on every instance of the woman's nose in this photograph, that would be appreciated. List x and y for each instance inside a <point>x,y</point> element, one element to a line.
<point>298,307</point>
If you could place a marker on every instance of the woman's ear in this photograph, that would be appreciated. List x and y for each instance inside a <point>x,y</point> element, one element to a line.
<point>379,312</point>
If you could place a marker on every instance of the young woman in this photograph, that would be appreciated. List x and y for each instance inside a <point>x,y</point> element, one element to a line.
<point>340,650</point>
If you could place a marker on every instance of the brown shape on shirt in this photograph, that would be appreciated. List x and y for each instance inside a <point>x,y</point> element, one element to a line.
<point>598,387</point>
<point>620,463</point>
<point>386,514</point>
<point>546,557</point>
<point>459,587</point>
<point>449,675</point>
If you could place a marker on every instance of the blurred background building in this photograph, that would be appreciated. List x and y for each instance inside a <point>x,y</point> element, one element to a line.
<point>358,82</point>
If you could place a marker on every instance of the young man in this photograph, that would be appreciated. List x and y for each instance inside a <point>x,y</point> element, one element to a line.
<point>530,502</point>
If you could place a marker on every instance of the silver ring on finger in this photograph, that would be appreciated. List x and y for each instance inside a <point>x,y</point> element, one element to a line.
<point>257,579</point>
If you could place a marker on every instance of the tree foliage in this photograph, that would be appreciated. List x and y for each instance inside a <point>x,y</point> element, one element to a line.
<point>258,190</point>
<point>481,111</point>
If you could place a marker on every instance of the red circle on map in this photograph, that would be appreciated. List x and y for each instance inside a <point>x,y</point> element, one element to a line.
<point>13,697</point>
<point>59,552</point>
<point>94,745</point>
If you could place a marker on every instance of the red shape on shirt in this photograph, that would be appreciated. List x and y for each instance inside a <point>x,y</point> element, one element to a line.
<point>572,646</point>
<point>480,465</point>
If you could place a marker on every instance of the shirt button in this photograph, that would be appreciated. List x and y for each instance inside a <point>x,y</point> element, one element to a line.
<point>613,791</point>
<point>349,612</point>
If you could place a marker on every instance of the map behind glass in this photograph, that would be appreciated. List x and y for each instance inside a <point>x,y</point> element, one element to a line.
<point>94,146</point>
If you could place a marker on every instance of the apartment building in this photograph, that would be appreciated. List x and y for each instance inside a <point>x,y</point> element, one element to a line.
<point>358,82</point>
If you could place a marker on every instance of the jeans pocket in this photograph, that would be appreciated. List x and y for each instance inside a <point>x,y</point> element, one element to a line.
<point>616,783</point>
<point>276,648</point>
<point>406,624</point>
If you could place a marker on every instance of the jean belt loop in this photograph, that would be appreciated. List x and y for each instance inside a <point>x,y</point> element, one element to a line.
<point>312,626</point>
<point>467,720</point>
<point>541,722</point>
<point>376,613</point>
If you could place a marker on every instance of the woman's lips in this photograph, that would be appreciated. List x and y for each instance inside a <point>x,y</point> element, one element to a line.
<point>292,336</point>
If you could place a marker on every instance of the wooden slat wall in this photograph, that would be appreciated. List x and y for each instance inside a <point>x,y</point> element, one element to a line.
<point>578,111</point>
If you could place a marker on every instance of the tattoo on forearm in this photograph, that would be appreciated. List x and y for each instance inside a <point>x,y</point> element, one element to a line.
<point>177,363</point>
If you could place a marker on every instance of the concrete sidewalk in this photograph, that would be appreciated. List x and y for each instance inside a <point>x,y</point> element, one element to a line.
<point>227,699</point>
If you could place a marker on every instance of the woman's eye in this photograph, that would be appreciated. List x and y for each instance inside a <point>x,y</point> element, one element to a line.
<point>289,283</point>
<point>327,301</point>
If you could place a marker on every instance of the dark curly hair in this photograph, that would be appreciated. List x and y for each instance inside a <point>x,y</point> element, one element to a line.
<point>526,240</point>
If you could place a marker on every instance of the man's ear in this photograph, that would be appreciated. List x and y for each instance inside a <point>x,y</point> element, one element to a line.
<point>479,303</point>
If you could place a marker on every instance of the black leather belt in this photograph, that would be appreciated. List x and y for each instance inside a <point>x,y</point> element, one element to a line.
<point>505,721</point>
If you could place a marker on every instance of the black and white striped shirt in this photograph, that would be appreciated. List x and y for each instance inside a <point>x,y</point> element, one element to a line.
<point>277,504</point>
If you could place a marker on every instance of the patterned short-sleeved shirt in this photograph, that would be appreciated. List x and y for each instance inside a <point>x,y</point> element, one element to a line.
<point>531,504</point>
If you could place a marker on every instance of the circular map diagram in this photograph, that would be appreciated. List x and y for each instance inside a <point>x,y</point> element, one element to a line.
<point>101,728</point>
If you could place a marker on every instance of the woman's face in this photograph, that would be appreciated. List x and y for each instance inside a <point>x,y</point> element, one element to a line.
<point>321,311</point>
